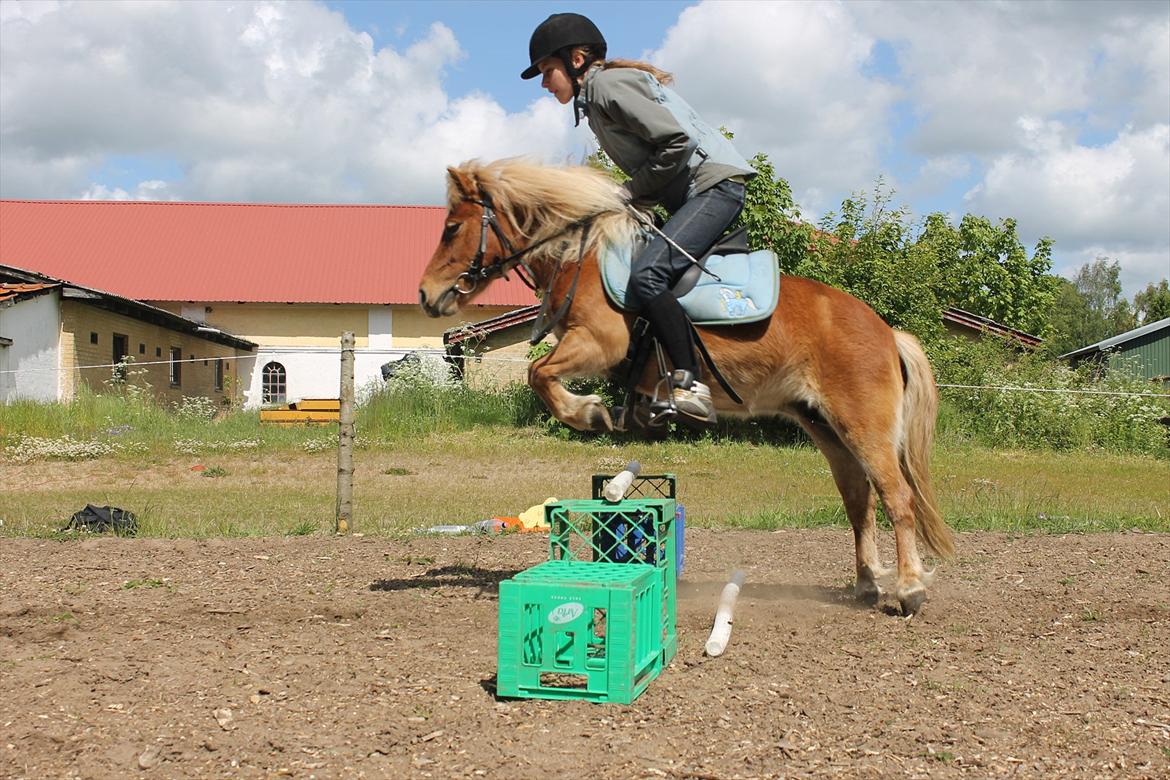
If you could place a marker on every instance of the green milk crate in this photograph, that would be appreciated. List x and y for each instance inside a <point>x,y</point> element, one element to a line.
<point>629,532</point>
<point>585,631</point>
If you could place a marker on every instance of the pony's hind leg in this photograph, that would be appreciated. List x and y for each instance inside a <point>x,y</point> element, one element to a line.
<point>898,499</point>
<point>869,432</point>
<point>860,505</point>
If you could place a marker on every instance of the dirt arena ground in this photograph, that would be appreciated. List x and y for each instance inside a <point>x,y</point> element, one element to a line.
<point>317,657</point>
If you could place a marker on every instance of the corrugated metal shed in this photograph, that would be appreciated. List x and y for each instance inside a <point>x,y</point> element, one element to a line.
<point>979,324</point>
<point>160,251</point>
<point>1146,349</point>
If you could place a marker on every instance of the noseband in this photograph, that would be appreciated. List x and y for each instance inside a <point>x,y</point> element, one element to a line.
<point>477,272</point>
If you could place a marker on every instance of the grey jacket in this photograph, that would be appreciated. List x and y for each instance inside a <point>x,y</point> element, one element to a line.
<point>654,136</point>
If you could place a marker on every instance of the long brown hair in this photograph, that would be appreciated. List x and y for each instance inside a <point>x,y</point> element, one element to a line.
<point>663,77</point>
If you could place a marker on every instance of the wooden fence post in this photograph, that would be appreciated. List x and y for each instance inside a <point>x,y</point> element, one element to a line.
<point>343,522</point>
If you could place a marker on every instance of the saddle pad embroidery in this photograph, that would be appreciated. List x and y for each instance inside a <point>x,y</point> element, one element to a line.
<point>746,291</point>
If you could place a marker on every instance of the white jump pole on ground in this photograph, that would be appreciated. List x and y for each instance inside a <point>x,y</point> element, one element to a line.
<point>721,631</point>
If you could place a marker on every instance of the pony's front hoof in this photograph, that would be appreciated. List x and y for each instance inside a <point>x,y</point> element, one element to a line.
<point>912,600</point>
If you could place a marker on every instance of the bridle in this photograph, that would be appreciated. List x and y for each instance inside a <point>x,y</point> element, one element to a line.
<point>468,281</point>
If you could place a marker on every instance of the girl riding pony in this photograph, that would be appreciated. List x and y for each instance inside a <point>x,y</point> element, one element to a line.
<point>673,159</point>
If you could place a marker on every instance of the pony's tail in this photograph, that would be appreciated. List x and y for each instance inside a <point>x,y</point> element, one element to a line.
<point>919,411</point>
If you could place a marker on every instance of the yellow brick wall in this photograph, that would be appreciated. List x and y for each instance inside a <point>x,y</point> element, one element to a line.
<point>414,330</point>
<point>146,343</point>
<point>291,325</point>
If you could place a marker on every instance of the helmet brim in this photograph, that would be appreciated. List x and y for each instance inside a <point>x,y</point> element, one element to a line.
<point>531,72</point>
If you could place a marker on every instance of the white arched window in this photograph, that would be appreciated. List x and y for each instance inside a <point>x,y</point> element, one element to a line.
<point>274,384</point>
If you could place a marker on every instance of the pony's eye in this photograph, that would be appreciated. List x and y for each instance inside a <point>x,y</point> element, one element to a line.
<point>450,231</point>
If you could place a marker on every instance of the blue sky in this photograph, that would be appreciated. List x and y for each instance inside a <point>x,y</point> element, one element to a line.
<point>1056,114</point>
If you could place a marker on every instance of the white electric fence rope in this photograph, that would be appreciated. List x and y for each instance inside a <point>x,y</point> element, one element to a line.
<point>721,631</point>
<point>1057,390</point>
<point>135,363</point>
<point>490,358</point>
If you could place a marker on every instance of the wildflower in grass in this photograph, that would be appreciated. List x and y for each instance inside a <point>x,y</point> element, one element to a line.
<point>30,448</point>
<point>196,408</point>
<point>318,445</point>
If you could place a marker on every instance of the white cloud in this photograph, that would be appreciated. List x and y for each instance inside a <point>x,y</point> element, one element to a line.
<point>153,189</point>
<point>254,101</point>
<point>1112,196</point>
<point>973,69</point>
<point>789,79</point>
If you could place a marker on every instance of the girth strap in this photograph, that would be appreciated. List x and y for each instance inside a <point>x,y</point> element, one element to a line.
<point>711,364</point>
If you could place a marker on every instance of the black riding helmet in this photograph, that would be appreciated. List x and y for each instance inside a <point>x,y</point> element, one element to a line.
<point>557,35</point>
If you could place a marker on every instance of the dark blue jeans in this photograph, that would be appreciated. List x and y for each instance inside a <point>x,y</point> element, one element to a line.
<point>695,227</point>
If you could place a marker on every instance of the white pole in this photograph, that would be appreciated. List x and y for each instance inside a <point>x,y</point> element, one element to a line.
<point>721,631</point>
<point>616,489</point>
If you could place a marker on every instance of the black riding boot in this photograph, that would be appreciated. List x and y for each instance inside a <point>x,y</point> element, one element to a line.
<point>668,323</point>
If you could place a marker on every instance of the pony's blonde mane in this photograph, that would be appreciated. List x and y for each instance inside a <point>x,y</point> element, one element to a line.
<point>541,201</point>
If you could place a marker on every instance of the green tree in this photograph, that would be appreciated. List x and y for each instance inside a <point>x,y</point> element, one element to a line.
<point>1153,303</point>
<point>772,217</point>
<point>1100,283</point>
<point>983,268</point>
<point>868,250</point>
<point>600,160</point>
<point>1070,323</point>
<point>1089,308</point>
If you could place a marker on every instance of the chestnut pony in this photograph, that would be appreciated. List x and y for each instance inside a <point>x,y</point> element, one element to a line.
<point>863,391</point>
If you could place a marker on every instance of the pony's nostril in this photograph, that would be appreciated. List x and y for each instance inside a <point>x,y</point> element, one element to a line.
<point>422,298</point>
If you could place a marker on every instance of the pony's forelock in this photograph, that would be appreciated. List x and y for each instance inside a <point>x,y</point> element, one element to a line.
<point>543,200</point>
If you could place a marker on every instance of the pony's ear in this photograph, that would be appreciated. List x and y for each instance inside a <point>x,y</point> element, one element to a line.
<point>462,182</point>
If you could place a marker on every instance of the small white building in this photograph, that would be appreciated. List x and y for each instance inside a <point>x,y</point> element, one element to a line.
<point>56,336</point>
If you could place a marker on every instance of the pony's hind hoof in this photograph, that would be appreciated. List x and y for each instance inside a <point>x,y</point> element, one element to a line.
<point>912,601</point>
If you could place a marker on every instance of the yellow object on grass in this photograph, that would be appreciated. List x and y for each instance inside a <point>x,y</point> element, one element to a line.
<point>532,518</point>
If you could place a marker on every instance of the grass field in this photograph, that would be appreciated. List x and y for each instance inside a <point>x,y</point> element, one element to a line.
<point>273,485</point>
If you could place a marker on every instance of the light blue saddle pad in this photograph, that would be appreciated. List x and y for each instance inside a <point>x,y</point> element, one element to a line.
<point>746,291</point>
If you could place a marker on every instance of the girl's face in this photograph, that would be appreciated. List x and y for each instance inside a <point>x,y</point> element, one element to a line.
<point>556,79</point>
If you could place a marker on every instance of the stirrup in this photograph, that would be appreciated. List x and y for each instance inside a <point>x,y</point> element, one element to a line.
<point>643,414</point>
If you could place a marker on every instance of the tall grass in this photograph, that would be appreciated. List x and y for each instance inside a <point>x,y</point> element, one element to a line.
<point>1043,420</point>
<point>415,404</point>
<point>93,425</point>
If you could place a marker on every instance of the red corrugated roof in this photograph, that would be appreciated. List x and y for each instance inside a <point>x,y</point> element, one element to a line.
<point>164,251</point>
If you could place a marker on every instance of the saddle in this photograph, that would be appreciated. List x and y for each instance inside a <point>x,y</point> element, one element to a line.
<point>729,285</point>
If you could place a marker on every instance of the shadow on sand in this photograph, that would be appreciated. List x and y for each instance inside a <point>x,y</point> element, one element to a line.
<point>486,581</point>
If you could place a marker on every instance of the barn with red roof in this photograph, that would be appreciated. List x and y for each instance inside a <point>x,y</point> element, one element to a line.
<point>288,278</point>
